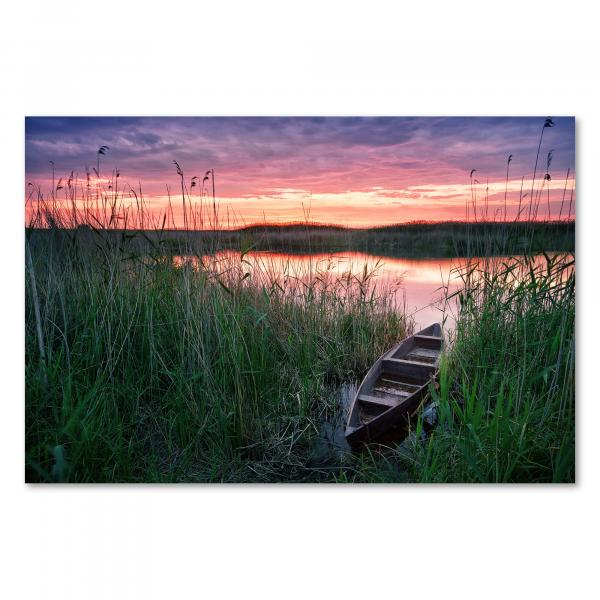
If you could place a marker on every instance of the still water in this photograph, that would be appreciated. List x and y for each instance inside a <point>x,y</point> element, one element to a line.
<point>418,285</point>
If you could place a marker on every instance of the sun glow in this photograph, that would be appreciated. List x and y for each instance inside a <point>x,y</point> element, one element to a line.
<point>352,172</point>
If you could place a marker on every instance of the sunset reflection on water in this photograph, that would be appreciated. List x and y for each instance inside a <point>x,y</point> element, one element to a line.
<point>419,286</point>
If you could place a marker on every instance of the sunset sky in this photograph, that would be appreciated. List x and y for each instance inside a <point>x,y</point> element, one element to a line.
<point>354,171</point>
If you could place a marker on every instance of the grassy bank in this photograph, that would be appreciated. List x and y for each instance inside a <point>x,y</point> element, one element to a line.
<point>141,370</point>
<point>506,395</point>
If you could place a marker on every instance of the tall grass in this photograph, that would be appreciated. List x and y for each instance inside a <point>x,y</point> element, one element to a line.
<point>154,367</point>
<point>141,367</point>
<point>506,392</point>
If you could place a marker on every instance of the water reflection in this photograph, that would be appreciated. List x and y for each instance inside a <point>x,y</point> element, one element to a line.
<point>419,285</point>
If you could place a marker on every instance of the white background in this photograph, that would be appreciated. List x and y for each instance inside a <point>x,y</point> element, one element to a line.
<point>323,58</point>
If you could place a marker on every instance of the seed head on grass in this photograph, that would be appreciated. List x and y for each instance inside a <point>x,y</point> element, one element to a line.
<point>510,156</point>
<point>547,123</point>
<point>101,152</point>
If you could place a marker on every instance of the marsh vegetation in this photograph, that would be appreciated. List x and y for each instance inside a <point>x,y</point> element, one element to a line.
<point>154,356</point>
<point>146,367</point>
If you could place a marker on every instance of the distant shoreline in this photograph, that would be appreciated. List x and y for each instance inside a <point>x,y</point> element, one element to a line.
<point>303,225</point>
<point>434,239</point>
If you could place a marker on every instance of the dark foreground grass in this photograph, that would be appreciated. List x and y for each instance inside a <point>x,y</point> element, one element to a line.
<point>506,394</point>
<point>140,369</point>
<point>143,369</point>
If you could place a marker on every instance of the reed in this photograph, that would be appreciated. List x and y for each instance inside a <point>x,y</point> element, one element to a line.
<point>161,368</point>
<point>507,391</point>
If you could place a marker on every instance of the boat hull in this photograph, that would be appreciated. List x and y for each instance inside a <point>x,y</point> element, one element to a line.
<point>394,387</point>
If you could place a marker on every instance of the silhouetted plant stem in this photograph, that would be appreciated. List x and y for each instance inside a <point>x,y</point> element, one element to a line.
<point>547,123</point>
<point>212,175</point>
<point>101,152</point>
<point>520,200</point>
<point>564,194</point>
<point>571,200</point>
<point>506,186</point>
<point>37,312</point>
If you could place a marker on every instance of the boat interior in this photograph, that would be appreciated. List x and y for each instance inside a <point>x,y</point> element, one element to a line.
<point>398,375</point>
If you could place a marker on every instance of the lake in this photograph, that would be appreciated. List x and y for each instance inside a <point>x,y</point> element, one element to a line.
<point>418,285</point>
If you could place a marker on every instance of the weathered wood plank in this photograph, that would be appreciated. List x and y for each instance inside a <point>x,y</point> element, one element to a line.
<point>399,366</point>
<point>378,400</point>
<point>428,341</point>
<point>402,381</point>
<point>371,431</point>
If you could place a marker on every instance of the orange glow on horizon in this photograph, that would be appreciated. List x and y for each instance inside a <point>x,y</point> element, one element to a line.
<point>353,209</point>
<point>349,171</point>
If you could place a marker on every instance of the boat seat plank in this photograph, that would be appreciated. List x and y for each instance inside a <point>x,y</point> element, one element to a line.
<point>415,370</point>
<point>428,341</point>
<point>399,381</point>
<point>402,361</point>
<point>389,402</point>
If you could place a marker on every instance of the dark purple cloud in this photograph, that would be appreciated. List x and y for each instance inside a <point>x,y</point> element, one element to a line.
<point>318,155</point>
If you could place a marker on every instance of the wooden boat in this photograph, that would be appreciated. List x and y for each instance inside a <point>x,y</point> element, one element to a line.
<point>395,386</point>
